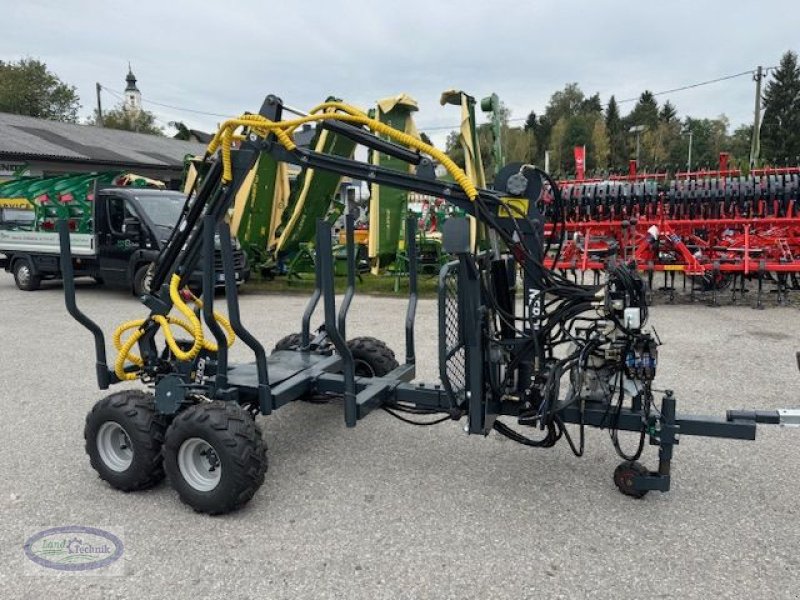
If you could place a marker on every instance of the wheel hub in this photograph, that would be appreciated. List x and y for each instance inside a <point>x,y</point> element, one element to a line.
<point>199,464</point>
<point>114,446</point>
<point>24,274</point>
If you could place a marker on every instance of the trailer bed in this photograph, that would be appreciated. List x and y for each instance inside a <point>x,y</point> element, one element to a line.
<point>46,242</point>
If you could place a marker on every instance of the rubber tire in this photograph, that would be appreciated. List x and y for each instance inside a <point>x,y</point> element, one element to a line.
<point>237,440</point>
<point>292,341</point>
<point>623,478</point>
<point>135,411</point>
<point>373,353</point>
<point>138,279</point>
<point>35,280</point>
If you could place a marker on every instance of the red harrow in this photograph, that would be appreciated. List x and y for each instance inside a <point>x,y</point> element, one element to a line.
<point>717,231</point>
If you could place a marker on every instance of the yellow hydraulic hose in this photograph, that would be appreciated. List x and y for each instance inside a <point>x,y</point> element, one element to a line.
<point>194,327</point>
<point>283,129</point>
<point>223,141</point>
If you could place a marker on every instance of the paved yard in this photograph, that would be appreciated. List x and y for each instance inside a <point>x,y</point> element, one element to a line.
<point>388,510</point>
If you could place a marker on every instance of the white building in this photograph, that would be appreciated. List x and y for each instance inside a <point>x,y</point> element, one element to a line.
<point>133,97</point>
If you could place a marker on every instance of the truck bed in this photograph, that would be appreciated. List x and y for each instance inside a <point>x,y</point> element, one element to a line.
<point>46,242</point>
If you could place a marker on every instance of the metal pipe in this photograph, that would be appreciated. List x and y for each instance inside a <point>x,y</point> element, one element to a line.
<point>68,275</point>
<point>221,380</point>
<point>234,316</point>
<point>411,311</point>
<point>351,275</point>
<point>325,269</point>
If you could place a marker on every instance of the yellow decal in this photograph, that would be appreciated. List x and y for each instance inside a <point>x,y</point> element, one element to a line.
<point>15,203</point>
<point>515,208</point>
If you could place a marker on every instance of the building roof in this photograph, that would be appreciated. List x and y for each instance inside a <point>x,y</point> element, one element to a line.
<point>27,138</point>
<point>201,136</point>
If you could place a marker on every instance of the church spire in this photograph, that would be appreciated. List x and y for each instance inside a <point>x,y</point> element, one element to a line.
<point>133,97</point>
<point>131,79</point>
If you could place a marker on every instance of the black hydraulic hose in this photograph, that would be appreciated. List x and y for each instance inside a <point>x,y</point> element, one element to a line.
<point>184,228</point>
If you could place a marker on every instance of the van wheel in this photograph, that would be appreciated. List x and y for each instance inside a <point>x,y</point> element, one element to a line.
<point>142,280</point>
<point>24,276</point>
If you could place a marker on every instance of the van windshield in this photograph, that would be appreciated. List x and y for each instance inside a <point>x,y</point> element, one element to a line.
<point>163,208</point>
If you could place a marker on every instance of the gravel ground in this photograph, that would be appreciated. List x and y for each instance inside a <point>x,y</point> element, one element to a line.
<point>388,510</point>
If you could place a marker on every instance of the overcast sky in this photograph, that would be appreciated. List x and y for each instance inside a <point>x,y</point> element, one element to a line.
<point>224,57</point>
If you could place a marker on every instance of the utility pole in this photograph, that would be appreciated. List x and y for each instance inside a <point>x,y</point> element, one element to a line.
<point>689,160</point>
<point>688,131</point>
<point>755,146</point>
<point>99,120</point>
<point>637,129</point>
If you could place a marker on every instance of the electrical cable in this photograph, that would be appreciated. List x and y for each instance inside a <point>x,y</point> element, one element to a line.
<point>413,422</point>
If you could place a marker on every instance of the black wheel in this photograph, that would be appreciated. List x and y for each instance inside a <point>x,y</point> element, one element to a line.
<point>293,341</point>
<point>142,280</point>
<point>215,457</point>
<point>24,275</point>
<point>624,476</point>
<point>373,358</point>
<point>123,436</point>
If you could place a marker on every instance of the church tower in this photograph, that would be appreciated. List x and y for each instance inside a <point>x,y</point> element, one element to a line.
<point>133,97</point>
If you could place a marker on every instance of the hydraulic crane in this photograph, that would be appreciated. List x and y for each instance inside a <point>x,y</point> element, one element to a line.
<point>516,338</point>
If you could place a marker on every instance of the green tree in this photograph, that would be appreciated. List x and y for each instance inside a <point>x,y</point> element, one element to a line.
<point>739,145</point>
<point>658,146</point>
<point>519,145</point>
<point>601,145</point>
<point>119,118</point>
<point>710,137</point>
<point>28,88</point>
<point>592,105</point>
<point>453,149</point>
<point>618,145</point>
<point>557,147</point>
<point>780,129</point>
<point>668,113</point>
<point>563,103</point>
<point>645,112</point>
<point>183,132</point>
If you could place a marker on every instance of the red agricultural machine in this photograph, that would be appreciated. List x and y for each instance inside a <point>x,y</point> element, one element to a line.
<point>718,228</point>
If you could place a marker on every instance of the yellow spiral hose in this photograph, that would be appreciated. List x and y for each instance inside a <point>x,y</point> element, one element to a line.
<point>324,112</point>
<point>193,327</point>
<point>223,141</point>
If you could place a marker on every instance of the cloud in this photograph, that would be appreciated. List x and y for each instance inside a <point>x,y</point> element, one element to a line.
<point>224,57</point>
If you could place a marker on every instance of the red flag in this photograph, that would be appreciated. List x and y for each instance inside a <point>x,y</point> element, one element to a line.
<point>723,162</point>
<point>580,162</point>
